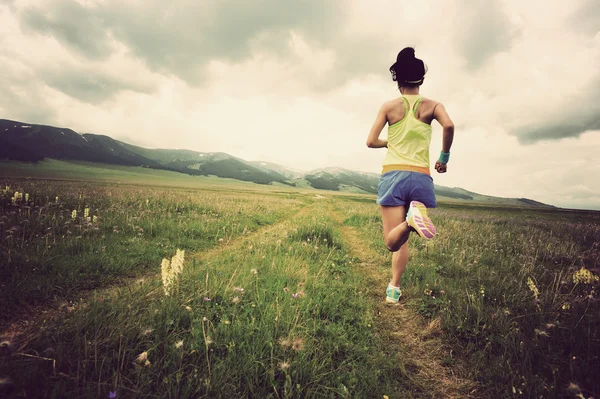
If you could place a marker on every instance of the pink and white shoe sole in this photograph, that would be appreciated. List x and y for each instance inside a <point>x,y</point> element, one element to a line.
<point>420,222</point>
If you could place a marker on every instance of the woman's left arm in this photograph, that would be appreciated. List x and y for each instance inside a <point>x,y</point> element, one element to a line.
<point>373,141</point>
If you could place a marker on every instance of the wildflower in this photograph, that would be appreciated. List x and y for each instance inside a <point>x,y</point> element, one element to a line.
<point>573,389</point>
<point>74,214</point>
<point>541,333</point>
<point>285,342</point>
<point>6,348</point>
<point>204,318</point>
<point>166,275</point>
<point>142,357</point>
<point>207,299</point>
<point>284,366</point>
<point>208,340</point>
<point>533,288</point>
<point>236,299</point>
<point>226,322</point>
<point>179,344</point>
<point>427,291</point>
<point>170,271</point>
<point>584,276</point>
<point>297,344</point>
<point>147,331</point>
<point>189,309</point>
<point>94,219</point>
<point>566,306</point>
<point>56,199</point>
<point>112,394</point>
<point>86,213</point>
<point>286,289</point>
<point>238,289</point>
<point>253,271</point>
<point>26,197</point>
<point>482,291</point>
<point>295,296</point>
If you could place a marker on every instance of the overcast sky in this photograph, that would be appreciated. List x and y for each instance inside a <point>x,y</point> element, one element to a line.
<point>299,83</point>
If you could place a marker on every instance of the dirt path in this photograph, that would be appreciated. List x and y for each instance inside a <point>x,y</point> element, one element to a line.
<point>20,331</point>
<point>411,337</point>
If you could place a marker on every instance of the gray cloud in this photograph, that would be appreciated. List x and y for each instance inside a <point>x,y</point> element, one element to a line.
<point>89,86</point>
<point>586,19</point>
<point>23,104</point>
<point>71,23</point>
<point>578,117</point>
<point>22,97</point>
<point>180,37</point>
<point>483,31</point>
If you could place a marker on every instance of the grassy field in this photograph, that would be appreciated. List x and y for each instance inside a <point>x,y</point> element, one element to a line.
<point>207,291</point>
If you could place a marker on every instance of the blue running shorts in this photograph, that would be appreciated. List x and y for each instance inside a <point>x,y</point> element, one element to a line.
<point>399,188</point>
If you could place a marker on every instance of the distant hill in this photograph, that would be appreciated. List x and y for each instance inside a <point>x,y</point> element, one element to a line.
<point>35,142</point>
<point>32,143</point>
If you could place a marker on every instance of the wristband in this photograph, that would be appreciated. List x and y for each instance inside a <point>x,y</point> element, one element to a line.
<point>444,157</point>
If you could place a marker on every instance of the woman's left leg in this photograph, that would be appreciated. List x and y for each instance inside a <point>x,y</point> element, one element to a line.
<point>399,262</point>
<point>395,228</point>
<point>395,233</point>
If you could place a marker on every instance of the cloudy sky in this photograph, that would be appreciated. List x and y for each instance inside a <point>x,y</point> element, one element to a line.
<point>299,82</point>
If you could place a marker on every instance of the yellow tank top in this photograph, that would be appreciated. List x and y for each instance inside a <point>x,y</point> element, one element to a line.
<point>408,141</point>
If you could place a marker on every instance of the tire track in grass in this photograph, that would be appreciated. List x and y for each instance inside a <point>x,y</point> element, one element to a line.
<point>19,332</point>
<point>417,343</point>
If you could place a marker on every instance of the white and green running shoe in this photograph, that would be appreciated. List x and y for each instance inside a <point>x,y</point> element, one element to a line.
<point>393,294</point>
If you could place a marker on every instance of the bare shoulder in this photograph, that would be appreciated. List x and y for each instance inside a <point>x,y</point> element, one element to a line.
<point>428,103</point>
<point>392,104</point>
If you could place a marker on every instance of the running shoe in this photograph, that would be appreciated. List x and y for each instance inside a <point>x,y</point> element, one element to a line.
<point>393,294</point>
<point>418,220</point>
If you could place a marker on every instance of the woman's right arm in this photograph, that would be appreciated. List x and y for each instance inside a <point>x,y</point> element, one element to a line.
<point>373,141</point>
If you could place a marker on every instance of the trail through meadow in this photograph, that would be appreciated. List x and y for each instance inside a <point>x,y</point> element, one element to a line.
<point>410,338</point>
<point>20,330</point>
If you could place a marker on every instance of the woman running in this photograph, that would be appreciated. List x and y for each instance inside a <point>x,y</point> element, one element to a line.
<point>406,188</point>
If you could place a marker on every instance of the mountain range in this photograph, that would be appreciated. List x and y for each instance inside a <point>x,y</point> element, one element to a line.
<point>32,143</point>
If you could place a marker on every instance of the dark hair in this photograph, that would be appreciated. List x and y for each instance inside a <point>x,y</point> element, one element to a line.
<point>408,70</point>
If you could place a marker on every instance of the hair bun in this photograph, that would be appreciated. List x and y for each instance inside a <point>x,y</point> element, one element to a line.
<point>406,54</point>
<point>408,68</point>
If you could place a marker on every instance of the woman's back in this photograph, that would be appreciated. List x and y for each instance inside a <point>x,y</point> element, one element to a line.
<point>395,110</point>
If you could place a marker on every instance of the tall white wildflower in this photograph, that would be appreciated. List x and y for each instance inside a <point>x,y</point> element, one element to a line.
<point>177,262</point>
<point>170,271</point>
<point>165,271</point>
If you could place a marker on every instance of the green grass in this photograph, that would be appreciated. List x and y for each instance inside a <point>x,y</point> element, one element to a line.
<point>282,315</point>
<point>269,303</point>
<point>52,248</point>
<point>474,277</point>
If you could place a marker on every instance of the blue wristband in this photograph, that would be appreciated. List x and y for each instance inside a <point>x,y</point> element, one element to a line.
<point>444,157</point>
